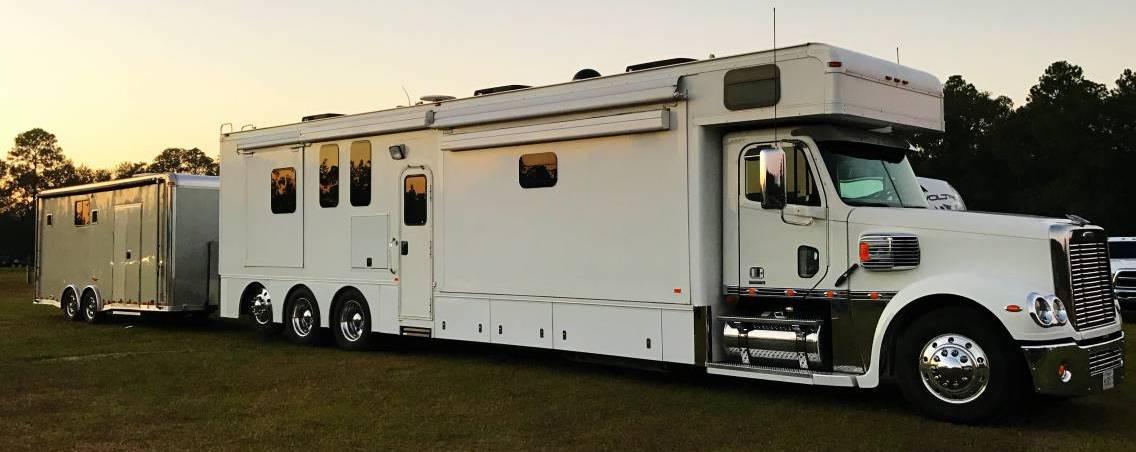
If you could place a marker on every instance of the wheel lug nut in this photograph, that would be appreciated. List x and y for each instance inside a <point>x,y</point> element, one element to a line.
<point>955,353</point>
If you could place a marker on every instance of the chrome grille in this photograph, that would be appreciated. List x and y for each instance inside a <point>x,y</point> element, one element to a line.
<point>1102,361</point>
<point>890,251</point>
<point>1092,304</point>
<point>1125,279</point>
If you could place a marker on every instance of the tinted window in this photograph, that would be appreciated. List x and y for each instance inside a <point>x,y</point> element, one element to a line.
<point>82,212</point>
<point>800,186</point>
<point>538,170</point>
<point>283,190</point>
<point>870,175</point>
<point>414,207</point>
<point>752,163</point>
<point>752,87</point>
<point>329,175</point>
<point>1122,250</point>
<point>361,173</point>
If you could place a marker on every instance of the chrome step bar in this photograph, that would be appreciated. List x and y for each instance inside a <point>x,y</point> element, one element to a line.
<point>799,376</point>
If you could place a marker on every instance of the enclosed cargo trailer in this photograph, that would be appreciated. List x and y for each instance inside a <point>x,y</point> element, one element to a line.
<point>142,244</point>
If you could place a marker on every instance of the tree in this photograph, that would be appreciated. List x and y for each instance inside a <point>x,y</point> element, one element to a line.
<point>35,163</point>
<point>127,169</point>
<point>178,160</point>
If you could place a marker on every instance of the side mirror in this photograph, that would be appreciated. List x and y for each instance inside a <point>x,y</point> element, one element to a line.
<point>773,178</point>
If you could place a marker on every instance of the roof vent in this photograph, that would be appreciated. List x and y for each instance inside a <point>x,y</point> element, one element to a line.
<point>660,63</point>
<point>583,74</point>
<point>319,116</point>
<point>499,89</point>
<point>435,98</point>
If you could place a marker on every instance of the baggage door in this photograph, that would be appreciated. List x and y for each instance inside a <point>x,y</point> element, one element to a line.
<point>127,245</point>
<point>416,266</point>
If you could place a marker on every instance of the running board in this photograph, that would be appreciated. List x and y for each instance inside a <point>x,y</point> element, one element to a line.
<point>786,375</point>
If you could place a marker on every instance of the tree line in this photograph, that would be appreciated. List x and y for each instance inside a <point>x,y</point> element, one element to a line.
<point>36,163</point>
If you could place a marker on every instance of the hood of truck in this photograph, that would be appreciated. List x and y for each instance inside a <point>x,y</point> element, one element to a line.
<point>970,222</point>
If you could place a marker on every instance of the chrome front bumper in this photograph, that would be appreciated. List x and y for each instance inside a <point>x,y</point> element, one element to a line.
<point>1089,366</point>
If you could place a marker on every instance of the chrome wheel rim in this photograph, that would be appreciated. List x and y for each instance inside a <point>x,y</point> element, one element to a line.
<point>261,308</point>
<point>954,368</point>
<point>91,309</point>
<point>71,306</point>
<point>352,321</point>
<point>303,317</point>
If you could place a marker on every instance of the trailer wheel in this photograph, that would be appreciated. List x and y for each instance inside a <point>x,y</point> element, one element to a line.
<point>302,317</point>
<point>70,306</point>
<point>955,364</point>
<point>90,308</point>
<point>258,305</point>
<point>352,322</point>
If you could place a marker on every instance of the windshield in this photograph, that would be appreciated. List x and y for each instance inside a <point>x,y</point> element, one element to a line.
<point>870,175</point>
<point>1122,250</point>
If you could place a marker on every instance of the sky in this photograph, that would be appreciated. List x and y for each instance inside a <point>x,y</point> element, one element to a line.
<point>119,80</point>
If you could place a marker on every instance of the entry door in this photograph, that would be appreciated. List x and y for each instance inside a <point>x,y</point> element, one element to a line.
<point>416,266</point>
<point>125,275</point>
<point>784,248</point>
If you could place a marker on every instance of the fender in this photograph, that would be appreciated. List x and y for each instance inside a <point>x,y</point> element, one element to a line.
<point>59,303</point>
<point>990,293</point>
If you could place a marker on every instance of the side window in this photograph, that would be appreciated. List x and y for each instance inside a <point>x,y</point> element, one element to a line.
<point>800,187</point>
<point>50,219</point>
<point>414,207</point>
<point>361,173</point>
<point>538,170</point>
<point>283,190</point>
<point>94,216</point>
<point>329,175</point>
<point>82,212</point>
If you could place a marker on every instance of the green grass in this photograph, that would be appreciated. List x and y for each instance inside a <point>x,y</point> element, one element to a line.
<point>128,385</point>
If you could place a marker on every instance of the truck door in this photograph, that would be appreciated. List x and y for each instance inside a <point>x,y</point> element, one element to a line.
<point>780,248</point>
<point>416,266</point>
<point>125,281</point>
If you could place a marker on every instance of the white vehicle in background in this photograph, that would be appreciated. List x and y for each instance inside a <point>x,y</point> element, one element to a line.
<point>941,194</point>
<point>1122,252</point>
<point>738,214</point>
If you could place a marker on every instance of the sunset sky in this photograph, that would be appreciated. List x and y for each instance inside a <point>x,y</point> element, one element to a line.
<point>120,80</point>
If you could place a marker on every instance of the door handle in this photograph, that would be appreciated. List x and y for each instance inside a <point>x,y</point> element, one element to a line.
<point>405,247</point>
<point>802,215</point>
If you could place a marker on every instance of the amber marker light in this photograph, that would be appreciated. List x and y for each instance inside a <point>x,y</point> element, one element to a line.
<point>874,295</point>
<point>790,292</point>
<point>865,252</point>
<point>1013,308</point>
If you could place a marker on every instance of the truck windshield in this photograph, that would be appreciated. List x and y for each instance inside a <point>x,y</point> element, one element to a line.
<point>871,175</point>
<point>1122,250</point>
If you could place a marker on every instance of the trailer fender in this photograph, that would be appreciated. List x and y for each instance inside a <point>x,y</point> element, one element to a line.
<point>98,296</point>
<point>59,303</point>
<point>992,295</point>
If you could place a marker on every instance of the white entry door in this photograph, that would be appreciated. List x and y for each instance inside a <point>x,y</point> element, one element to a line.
<point>125,282</point>
<point>416,245</point>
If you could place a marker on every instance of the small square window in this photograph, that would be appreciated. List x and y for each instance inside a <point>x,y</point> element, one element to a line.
<point>50,219</point>
<point>82,212</point>
<point>283,190</point>
<point>94,216</point>
<point>538,170</point>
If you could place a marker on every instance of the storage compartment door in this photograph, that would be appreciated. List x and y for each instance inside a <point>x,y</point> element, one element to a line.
<point>607,330</point>
<point>274,215</point>
<point>125,275</point>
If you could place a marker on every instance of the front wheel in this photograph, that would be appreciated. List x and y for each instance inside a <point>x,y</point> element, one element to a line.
<point>955,364</point>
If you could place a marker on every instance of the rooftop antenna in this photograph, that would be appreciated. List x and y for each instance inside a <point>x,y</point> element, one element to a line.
<point>407,93</point>
<point>896,54</point>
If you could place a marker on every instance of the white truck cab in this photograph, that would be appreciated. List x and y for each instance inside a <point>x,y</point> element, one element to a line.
<point>751,215</point>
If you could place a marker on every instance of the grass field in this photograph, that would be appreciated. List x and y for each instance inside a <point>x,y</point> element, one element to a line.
<point>128,385</point>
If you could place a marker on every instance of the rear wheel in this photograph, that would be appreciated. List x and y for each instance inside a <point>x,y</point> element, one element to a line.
<point>352,323</point>
<point>70,306</point>
<point>302,318</point>
<point>258,305</point>
<point>90,308</point>
<point>955,364</point>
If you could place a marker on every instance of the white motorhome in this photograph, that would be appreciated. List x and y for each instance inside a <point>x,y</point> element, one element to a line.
<point>135,245</point>
<point>941,194</point>
<point>746,214</point>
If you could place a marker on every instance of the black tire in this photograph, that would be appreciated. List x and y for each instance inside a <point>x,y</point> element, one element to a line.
<point>257,306</point>
<point>351,322</point>
<point>301,318</point>
<point>69,304</point>
<point>965,336</point>
<point>90,308</point>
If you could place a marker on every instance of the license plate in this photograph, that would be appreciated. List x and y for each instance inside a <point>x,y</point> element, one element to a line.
<point>1108,379</point>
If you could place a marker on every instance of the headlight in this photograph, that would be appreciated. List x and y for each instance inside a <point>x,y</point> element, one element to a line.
<point>1059,313</point>
<point>1041,311</point>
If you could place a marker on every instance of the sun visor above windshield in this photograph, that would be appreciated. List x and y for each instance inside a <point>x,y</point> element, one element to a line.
<point>833,133</point>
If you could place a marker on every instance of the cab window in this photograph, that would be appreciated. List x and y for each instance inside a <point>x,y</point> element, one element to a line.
<point>800,185</point>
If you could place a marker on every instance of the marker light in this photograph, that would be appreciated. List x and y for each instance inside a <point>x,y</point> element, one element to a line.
<point>835,64</point>
<point>865,252</point>
<point>1013,308</point>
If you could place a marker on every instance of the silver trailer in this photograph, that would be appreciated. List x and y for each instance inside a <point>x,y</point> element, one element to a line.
<point>142,244</point>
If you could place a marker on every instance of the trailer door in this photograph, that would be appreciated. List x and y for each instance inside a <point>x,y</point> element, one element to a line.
<point>416,245</point>
<point>125,275</point>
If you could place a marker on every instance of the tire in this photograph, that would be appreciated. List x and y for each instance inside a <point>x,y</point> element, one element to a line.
<point>258,306</point>
<point>301,318</point>
<point>69,304</point>
<point>955,364</point>
<point>90,308</point>
<point>351,322</point>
